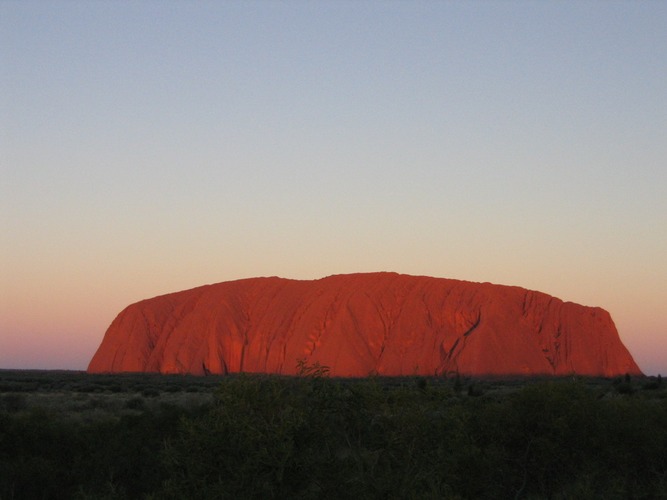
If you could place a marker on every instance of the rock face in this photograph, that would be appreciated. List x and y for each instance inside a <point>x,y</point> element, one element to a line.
<point>361,324</point>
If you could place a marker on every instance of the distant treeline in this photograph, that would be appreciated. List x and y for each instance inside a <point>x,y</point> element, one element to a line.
<point>314,437</point>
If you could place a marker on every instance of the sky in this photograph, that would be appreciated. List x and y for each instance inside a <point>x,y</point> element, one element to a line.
<point>150,147</point>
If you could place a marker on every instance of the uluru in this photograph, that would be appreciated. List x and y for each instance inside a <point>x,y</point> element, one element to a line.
<point>364,324</point>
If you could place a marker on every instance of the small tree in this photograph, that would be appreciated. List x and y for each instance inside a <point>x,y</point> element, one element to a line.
<point>316,370</point>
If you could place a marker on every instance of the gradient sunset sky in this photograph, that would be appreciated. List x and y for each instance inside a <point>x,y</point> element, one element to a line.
<point>149,147</point>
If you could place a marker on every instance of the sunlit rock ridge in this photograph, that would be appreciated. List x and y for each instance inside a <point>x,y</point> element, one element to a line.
<point>363,324</point>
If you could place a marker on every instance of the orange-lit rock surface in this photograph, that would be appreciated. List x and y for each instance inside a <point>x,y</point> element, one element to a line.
<point>361,324</point>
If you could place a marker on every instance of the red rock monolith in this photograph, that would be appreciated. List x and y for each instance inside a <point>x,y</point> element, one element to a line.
<point>363,324</point>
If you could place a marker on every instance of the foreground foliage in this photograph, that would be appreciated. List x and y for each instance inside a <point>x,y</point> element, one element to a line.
<point>315,437</point>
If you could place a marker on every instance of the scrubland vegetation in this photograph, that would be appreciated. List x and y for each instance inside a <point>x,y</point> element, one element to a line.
<point>72,435</point>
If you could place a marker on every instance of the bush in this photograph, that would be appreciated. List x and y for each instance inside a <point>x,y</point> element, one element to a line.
<point>313,438</point>
<point>150,392</point>
<point>12,402</point>
<point>136,403</point>
<point>317,437</point>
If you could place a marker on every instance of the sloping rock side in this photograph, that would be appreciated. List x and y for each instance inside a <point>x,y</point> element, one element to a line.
<point>362,324</point>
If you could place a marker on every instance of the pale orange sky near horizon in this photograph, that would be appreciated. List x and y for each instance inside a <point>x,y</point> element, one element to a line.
<point>148,148</point>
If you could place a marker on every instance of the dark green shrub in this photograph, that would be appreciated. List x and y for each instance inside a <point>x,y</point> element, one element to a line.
<point>150,392</point>
<point>475,390</point>
<point>136,403</point>
<point>12,402</point>
<point>652,383</point>
<point>315,370</point>
<point>625,388</point>
<point>317,437</point>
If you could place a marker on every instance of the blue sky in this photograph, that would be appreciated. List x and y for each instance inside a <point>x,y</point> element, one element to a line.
<point>148,147</point>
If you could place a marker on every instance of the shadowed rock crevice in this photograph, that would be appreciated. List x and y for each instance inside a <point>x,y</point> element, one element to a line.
<point>361,324</point>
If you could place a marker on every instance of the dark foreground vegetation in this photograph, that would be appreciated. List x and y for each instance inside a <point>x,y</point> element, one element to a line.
<point>72,435</point>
